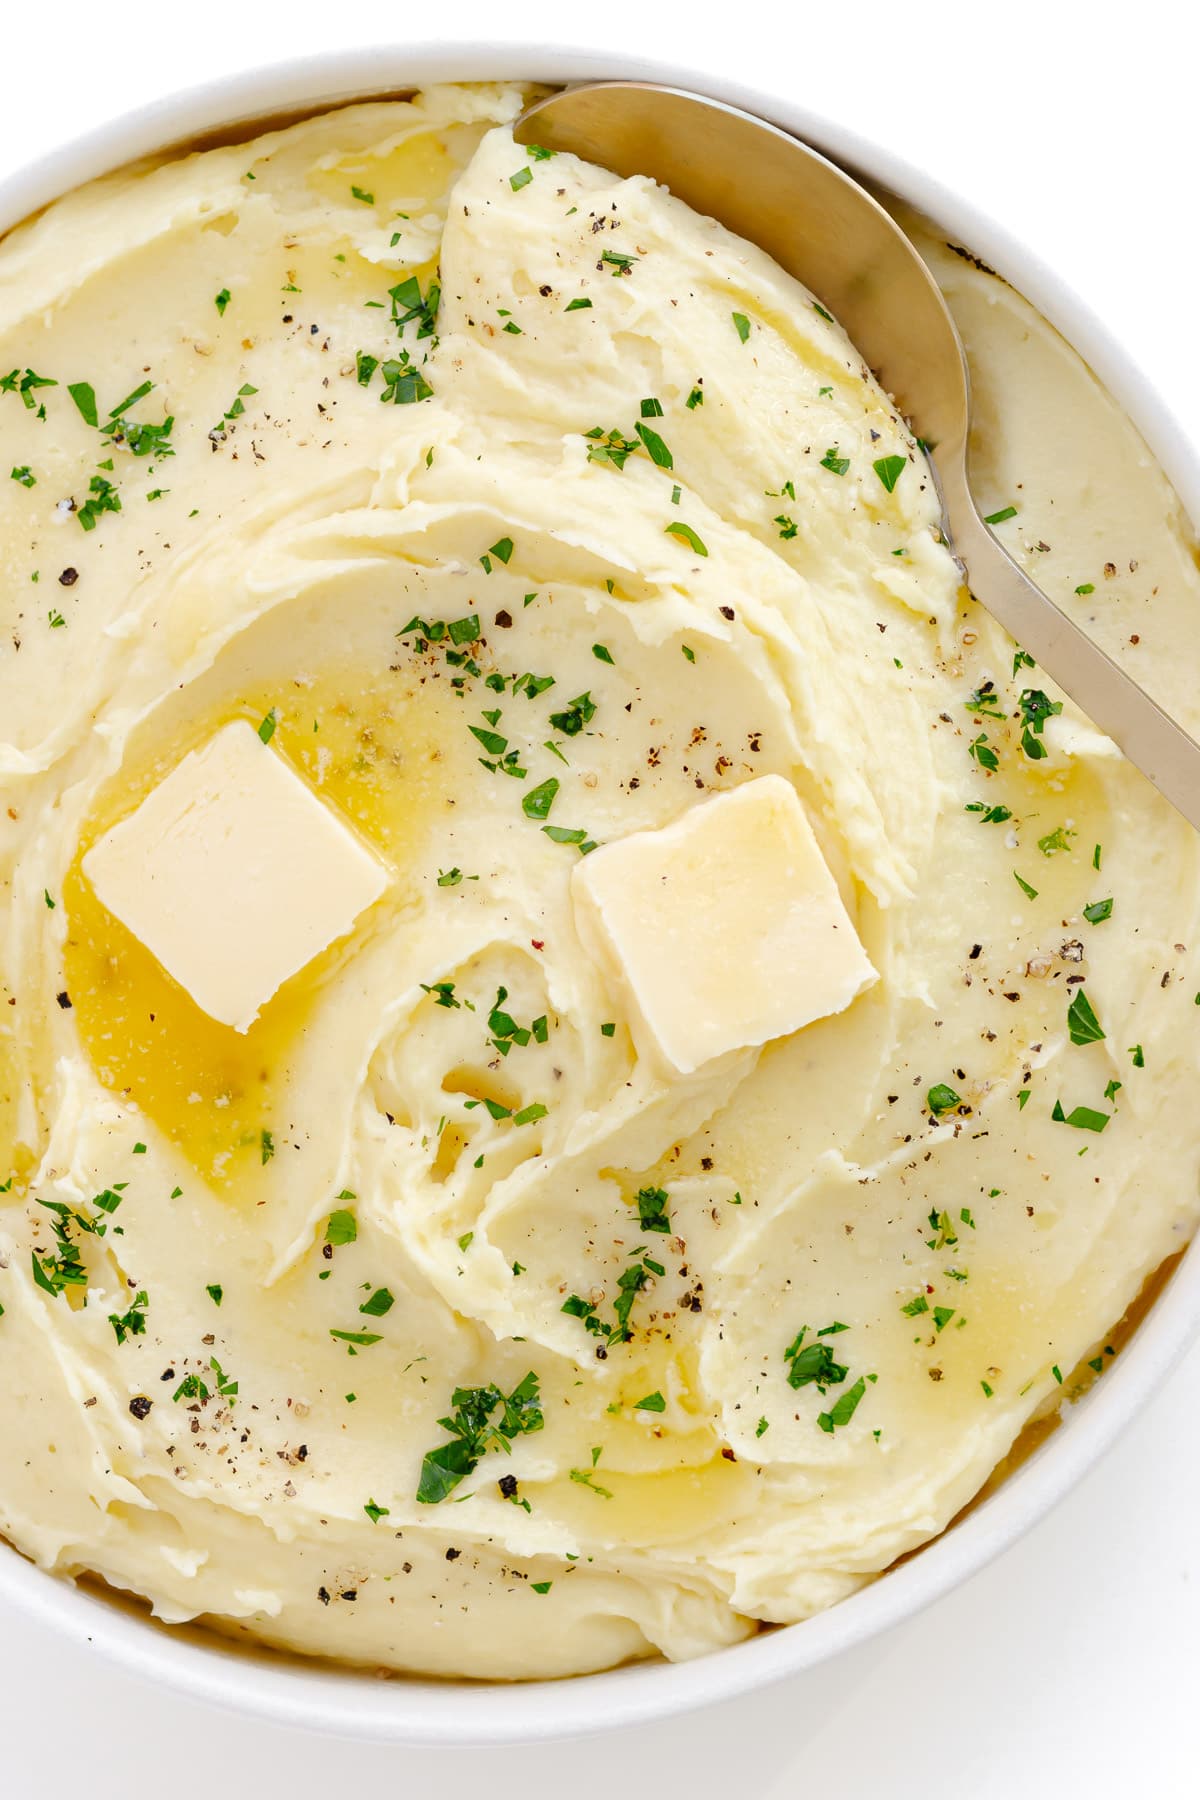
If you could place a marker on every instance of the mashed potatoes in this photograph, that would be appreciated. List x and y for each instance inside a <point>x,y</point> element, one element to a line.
<point>436,1321</point>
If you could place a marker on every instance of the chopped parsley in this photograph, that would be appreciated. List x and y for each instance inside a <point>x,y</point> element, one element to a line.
<point>942,1099</point>
<point>652,1209</point>
<point>813,1362</point>
<point>221,301</point>
<point>194,1387</point>
<point>741,325</point>
<point>474,1430</point>
<point>1035,708</point>
<point>1098,911</point>
<point>586,1478</point>
<point>408,304</point>
<point>102,498</point>
<point>502,550</point>
<point>443,993</point>
<point>999,518</point>
<point>529,1115</point>
<point>54,1274</point>
<point>837,465</point>
<point>133,1322</point>
<point>404,384</point>
<point>537,803</point>
<point>236,409</point>
<point>629,1285</point>
<point>1083,1118</point>
<point>342,1227</point>
<point>24,385</point>
<point>578,713</point>
<point>1084,1026</point>
<point>844,1407</point>
<point>654,446</point>
<point>653,1403</point>
<point>506,1032</point>
<point>678,529</point>
<point>609,447</point>
<point>985,701</point>
<point>889,470</point>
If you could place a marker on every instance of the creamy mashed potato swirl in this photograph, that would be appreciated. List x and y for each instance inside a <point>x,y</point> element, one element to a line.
<point>626,513</point>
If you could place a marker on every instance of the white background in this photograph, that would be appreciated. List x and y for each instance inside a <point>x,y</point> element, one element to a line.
<point>1071,1665</point>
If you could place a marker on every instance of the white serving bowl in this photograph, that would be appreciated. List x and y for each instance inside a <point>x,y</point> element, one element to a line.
<point>403,1710</point>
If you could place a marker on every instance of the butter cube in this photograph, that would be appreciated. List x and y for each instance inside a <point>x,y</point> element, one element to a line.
<point>726,927</point>
<point>234,874</point>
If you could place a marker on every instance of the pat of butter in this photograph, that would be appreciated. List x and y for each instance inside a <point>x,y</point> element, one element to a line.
<point>234,874</point>
<point>726,927</point>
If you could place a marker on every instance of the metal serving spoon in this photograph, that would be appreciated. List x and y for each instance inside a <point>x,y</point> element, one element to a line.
<point>822,227</point>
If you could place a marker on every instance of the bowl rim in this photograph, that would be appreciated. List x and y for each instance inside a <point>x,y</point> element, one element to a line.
<point>358,1705</point>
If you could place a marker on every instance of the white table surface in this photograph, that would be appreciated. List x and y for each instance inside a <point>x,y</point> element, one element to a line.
<point>1070,1666</point>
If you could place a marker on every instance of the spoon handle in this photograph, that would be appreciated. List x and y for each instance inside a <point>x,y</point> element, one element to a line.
<point>1159,747</point>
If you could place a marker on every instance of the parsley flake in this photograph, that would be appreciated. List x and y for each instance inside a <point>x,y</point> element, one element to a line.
<point>889,470</point>
<point>1084,1026</point>
<point>678,529</point>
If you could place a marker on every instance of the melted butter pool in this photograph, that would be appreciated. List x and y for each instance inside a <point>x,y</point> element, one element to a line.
<point>370,746</point>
